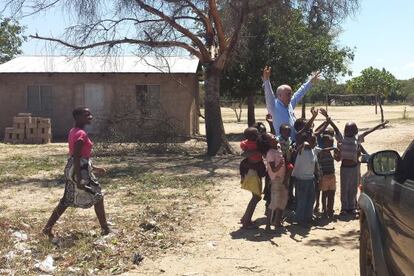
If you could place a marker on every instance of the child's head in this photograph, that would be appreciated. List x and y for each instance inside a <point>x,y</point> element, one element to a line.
<point>301,138</point>
<point>82,115</point>
<point>329,131</point>
<point>327,141</point>
<point>260,127</point>
<point>285,131</point>
<point>299,124</point>
<point>264,142</point>
<point>274,143</point>
<point>351,129</point>
<point>251,133</point>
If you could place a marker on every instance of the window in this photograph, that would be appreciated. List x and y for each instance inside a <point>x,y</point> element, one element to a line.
<point>39,99</point>
<point>148,99</point>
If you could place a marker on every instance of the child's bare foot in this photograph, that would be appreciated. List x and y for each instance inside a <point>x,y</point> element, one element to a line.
<point>105,231</point>
<point>249,225</point>
<point>48,232</point>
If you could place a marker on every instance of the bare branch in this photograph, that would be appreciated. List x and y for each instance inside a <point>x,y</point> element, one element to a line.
<point>218,24</point>
<point>41,7</point>
<point>111,43</point>
<point>205,57</point>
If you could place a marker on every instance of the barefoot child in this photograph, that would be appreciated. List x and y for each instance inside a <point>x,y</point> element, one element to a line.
<point>350,150</point>
<point>252,169</point>
<point>304,177</point>
<point>82,189</point>
<point>327,183</point>
<point>279,191</point>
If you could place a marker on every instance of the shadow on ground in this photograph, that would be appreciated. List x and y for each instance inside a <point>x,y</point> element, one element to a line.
<point>347,239</point>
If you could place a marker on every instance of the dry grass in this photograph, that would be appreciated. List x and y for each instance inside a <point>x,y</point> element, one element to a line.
<point>135,194</point>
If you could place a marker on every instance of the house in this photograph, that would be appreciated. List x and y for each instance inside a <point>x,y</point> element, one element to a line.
<point>129,96</point>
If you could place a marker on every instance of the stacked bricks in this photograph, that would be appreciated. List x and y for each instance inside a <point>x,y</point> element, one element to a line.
<point>28,130</point>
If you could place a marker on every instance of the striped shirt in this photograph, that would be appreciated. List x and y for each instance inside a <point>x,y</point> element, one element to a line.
<point>350,148</point>
<point>326,163</point>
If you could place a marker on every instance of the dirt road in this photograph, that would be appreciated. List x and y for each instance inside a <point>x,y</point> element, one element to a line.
<point>217,245</point>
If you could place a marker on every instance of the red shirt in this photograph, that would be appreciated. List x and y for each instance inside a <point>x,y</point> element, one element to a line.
<point>247,145</point>
<point>77,134</point>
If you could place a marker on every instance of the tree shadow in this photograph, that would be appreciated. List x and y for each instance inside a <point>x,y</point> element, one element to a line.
<point>346,239</point>
<point>136,165</point>
<point>36,182</point>
<point>234,137</point>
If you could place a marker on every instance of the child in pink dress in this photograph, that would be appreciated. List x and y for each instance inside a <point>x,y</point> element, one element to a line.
<point>276,170</point>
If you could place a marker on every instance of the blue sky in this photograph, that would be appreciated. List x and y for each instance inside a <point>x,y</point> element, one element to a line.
<point>381,32</point>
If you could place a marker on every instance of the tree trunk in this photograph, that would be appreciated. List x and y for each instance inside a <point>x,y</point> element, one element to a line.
<point>251,118</point>
<point>382,111</point>
<point>304,107</point>
<point>216,138</point>
<point>376,104</point>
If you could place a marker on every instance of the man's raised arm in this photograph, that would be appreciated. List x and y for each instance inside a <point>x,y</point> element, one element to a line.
<point>269,96</point>
<point>304,89</point>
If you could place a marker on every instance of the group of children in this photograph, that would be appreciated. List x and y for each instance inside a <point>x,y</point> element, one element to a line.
<point>296,172</point>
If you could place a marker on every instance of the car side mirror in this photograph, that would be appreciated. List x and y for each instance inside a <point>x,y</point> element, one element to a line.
<point>385,162</point>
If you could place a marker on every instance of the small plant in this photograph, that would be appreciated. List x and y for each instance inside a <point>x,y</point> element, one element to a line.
<point>405,113</point>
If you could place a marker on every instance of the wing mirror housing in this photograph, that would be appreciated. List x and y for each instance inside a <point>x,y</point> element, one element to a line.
<point>384,163</point>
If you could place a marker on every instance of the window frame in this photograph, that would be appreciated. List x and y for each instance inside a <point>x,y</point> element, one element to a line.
<point>42,107</point>
<point>148,107</point>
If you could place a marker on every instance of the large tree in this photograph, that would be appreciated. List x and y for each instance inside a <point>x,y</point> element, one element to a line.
<point>207,29</point>
<point>374,81</point>
<point>293,43</point>
<point>10,39</point>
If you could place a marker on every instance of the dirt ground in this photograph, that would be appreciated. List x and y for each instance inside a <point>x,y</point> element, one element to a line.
<point>209,240</point>
<point>220,247</point>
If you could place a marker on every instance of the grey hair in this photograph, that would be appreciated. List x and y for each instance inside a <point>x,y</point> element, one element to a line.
<point>281,88</point>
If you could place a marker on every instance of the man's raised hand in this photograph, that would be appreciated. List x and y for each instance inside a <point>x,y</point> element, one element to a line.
<point>315,77</point>
<point>266,73</point>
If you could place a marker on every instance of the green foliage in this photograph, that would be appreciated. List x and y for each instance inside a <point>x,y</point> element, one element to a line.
<point>10,39</point>
<point>374,81</point>
<point>291,44</point>
<point>406,89</point>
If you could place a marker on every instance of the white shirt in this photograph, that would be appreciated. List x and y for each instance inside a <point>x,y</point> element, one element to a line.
<point>304,167</point>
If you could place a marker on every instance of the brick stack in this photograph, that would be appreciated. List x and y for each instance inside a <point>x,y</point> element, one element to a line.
<point>29,130</point>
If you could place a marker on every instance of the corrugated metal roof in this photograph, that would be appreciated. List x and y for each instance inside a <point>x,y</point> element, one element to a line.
<point>100,64</point>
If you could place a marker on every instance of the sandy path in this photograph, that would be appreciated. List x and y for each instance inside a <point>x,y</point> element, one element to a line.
<point>217,246</point>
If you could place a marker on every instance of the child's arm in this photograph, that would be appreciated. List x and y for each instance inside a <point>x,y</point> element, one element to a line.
<point>98,170</point>
<point>362,149</point>
<point>278,167</point>
<point>327,149</point>
<point>338,134</point>
<point>330,122</point>
<point>365,133</point>
<point>308,125</point>
<point>321,128</point>
<point>337,155</point>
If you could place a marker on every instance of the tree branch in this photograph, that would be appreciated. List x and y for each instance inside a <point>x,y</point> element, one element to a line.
<point>111,43</point>
<point>218,24</point>
<point>243,11</point>
<point>205,57</point>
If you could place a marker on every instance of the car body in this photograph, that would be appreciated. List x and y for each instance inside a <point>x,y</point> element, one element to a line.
<point>387,214</point>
